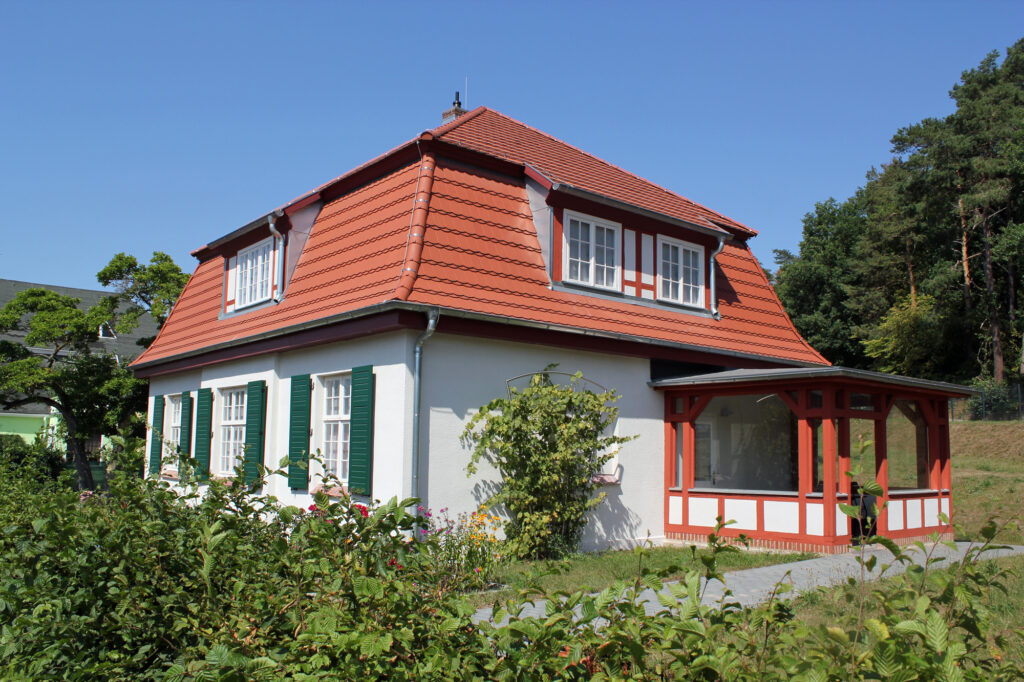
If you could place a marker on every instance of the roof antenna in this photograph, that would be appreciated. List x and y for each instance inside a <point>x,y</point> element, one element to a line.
<point>454,112</point>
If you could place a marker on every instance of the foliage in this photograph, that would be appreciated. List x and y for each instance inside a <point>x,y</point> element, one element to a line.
<point>33,461</point>
<point>933,238</point>
<point>54,365</point>
<point>548,442</point>
<point>152,288</point>
<point>996,400</point>
<point>467,550</point>
<point>908,339</point>
<point>147,583</point>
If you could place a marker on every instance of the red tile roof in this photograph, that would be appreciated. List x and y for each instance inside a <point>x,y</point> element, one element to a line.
<point>493,133</point>
<point>481,256</point>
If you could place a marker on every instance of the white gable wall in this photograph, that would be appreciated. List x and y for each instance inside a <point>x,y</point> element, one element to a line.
<point>460,374</point>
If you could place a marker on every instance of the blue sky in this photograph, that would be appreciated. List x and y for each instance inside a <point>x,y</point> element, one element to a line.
<point>157,126</point>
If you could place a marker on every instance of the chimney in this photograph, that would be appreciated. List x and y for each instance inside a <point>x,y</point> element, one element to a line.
<point>455,111</point>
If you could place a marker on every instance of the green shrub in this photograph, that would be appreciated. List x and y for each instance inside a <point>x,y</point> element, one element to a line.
<point>548,442</point>
<point>146,582</point>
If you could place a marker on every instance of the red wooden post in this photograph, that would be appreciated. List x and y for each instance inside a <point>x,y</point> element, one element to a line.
<point>805,454</point>
<point>882,470</point>
<point>829,452</point>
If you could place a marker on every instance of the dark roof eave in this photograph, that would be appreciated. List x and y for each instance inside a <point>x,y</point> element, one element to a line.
<point>743,376</point>
<point>709,229</point>
<point>451,312</point>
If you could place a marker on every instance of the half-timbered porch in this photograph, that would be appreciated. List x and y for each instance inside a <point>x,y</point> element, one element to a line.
<point>777,451</point>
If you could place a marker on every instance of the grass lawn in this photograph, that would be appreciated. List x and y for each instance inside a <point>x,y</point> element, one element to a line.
<point>1006,611</point>
<point>594,572</point>
<point>988,474</point>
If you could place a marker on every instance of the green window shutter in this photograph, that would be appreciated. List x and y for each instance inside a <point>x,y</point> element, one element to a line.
<point>185,442</point>
<point>204,430</point>
<point>255,426</point>
<point>360,449</point>
<point>298,432</point>
<point>156,443</point>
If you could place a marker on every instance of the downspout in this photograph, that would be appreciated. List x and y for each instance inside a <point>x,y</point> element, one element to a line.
<point>272,221</point>
<point>714,293</point>
<point>432,316</point>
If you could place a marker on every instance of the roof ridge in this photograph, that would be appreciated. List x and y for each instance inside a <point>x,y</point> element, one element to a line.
<point>479,110</point>
<point>457,121</point>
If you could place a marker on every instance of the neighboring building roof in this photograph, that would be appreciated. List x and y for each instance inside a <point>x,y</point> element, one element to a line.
<point>124,345</point>
<point>862,376</point>
<point>481,257</point>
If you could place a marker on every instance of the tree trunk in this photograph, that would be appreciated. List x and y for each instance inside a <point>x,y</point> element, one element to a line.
<point>910,274</point>
<point>77,452</point>
<point>81,460</point>
<point>998,365</point>
<point>964,255</point>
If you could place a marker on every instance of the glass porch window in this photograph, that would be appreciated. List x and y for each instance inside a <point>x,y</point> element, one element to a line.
<point>746,442</point>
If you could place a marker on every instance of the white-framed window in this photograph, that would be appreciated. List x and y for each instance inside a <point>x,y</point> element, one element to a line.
<point>254,274</point>
<point>232,429</point>
<point>680,272</point>
<point>172,431</point>
<point>591,251</point>
<point>335,415</point>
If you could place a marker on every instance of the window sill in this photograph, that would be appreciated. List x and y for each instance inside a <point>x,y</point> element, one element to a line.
<point>330,491</point>
<point>750,493</point>
<point>606,479</point>
<point>169,474</point>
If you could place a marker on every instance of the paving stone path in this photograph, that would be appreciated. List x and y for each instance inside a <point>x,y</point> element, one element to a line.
<point>754,585</point>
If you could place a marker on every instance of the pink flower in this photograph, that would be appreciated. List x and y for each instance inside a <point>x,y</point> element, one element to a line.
<point>312,507</point>
<point>362,510</point>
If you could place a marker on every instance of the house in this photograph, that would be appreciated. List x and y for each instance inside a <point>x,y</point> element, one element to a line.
<point>29,420</point>
<point>370,317</point>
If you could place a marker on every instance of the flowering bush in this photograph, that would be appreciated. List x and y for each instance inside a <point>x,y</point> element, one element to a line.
<point>465,549</point>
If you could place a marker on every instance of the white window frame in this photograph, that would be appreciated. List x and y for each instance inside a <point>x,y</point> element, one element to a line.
<point>172,432</point>
<point>333,427</point>
<point>249,291</point>
<point>616,228</point>
<point>683,284</point>
<point>231,429</point>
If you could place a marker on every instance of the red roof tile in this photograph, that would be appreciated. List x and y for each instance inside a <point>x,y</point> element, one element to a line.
<point>493,133</point>
<point>481,256</point>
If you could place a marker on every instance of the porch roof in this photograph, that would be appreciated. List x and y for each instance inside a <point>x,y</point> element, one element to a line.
<point>854,377</point>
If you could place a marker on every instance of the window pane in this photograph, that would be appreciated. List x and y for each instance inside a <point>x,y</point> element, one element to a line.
<point>750,444</point>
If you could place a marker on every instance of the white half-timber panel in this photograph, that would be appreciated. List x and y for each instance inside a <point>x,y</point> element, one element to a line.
<point>703,511</point>
<point>895,514</point>
<point>743,512</point>
<point>931,512</point>
<point>629,291</point>
<point>842,522</point>
<point>913,513</point>
<point>647,259</point>
<point>628,256</point>
<point>675,510</point>
<point>648,294</point>
<point>944,506</point>
<point>781,517</point>
<point>815,519</point>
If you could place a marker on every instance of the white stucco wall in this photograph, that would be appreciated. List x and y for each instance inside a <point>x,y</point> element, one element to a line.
<point>390,355</point>
<point>461,373</point>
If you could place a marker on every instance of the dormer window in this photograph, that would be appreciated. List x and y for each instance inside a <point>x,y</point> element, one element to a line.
<point>592,251</point>
<point>254,274</point>
<point>680,272</point>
